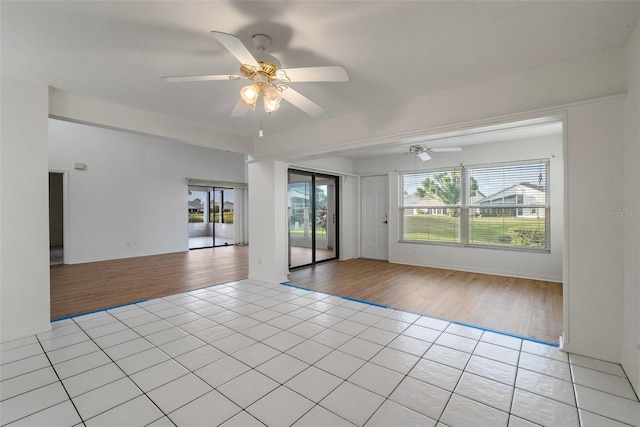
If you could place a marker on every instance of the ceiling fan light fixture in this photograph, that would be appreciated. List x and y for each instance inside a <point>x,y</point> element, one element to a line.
<point>249,94</point>
<point>424,156</point>
<point>272,98</point>
<point>270,107</point>
<point>263,69</point>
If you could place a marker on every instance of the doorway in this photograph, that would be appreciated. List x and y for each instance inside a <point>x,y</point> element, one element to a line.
<point>211,217</point>
<point>56,218</point>
<point>313,217</point>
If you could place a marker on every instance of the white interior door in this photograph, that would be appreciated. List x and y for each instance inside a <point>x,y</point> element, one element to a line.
<point>374,217</point>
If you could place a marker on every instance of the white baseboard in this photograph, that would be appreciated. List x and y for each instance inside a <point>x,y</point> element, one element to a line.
<point>494,272</point>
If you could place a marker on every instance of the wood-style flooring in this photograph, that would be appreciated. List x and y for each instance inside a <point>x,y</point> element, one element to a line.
<point>81,288</point>
<point>523,307</point>
<point>530,308</point>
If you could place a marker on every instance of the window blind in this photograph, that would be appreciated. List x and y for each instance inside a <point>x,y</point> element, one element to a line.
<point>507,205</point>
<point>431,206</point>
<point>504,205</point>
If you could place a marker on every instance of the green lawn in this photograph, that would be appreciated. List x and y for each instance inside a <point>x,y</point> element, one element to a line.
<point>320,232</point>
<point>503,231</point>
<point>432,228</point>
<point>199,217</point>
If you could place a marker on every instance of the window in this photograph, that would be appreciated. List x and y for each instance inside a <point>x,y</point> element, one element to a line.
<point>431,206</point>
<point>503,205</point>
<point>510,205</point>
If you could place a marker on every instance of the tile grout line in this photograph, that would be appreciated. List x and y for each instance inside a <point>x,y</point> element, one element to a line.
<point>231,355</point>
<point>315,404</point>
<point>305,338</point>
<point>478,340</point>
<point>61,383</point>
<point>515,381</point>
<point>189,371</point>
<point>461,374</point>
<point>125,374</point>
<point>256,370</point>
<point>405,376</point>
<point>520,350</point>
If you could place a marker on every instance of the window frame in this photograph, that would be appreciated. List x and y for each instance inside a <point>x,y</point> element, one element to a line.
<point>465,207</point>
<point>442,206</point>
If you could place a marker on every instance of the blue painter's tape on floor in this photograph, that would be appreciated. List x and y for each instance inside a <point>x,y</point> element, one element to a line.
<point>343,297</point>
<point>96,311</point>
<point>214,284</point>
<point>365,302</point>
<point>136,302</point>
<point>295,286</point>
<point>551,344</point>
<point>507,334</point>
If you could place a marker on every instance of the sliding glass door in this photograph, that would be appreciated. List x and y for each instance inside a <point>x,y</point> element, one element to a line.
<point>222,217</point>
<point>211,217</point>
<point>313,217</point>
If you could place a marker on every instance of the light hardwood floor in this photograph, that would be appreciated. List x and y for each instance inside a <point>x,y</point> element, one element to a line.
<point>80,288</point>
<point>529,308</point>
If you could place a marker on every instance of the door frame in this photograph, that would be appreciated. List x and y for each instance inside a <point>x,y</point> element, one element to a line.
<point>336,214</point>
<point>212,192</point>
<point>66,232</point>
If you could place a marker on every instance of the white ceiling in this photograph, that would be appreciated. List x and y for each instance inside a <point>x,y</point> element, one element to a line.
<point>530,129</point>
<point>118,51</point>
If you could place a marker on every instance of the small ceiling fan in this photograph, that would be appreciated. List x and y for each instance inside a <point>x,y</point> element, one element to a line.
<point>265,74</point>
<point>422,151</point>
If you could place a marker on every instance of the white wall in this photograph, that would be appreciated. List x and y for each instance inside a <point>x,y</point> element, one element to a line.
<point>132,198</point>
<point>268,259</point>
<point>337,165</point>
<point>542,266</point>
<point>349,217</point>
<point>593,291</point>
<point>631,344</point>
<point>24,219</point>
<point>91,111</point>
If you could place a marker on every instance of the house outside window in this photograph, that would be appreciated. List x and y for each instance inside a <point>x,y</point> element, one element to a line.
<point>431,206</point>
<point>502,205</point>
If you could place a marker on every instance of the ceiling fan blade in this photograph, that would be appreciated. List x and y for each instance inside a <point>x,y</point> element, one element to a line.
<point>302,102</point>
<point>236,48</point>
<point>176,79</point>
<point>446,149</point>
<point>334,73</point>
<point>241,109</point>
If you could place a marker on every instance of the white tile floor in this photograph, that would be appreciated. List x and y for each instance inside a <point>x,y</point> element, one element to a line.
<point>250,353</point>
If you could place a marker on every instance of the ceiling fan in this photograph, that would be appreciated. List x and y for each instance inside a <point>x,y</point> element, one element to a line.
<point>265,74</point>
<point>422,151</point>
